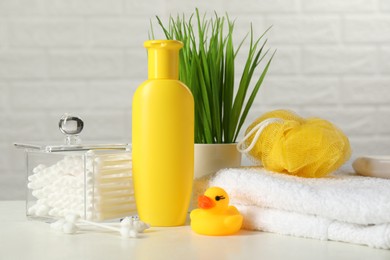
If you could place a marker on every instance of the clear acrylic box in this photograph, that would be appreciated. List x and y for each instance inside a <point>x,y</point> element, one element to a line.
<point>91,180</point>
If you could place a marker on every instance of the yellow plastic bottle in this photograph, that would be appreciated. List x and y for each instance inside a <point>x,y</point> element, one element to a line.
<point>163,139</point>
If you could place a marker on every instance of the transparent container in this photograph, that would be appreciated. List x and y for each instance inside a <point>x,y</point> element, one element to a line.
<point>91,180</point>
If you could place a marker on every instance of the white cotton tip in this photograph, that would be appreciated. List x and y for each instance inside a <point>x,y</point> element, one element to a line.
<point>61,172</point>
<point>133,233</point>
<point>39,168</point>
<point>72,172</point>
<point>69,228</point>
<point>72,218</point>
<point>58,204</point>
<point>79,192</point>
<point>73,182</point>
<point>89,215</point>
<point>81,213</point>
<point>90,192</point>
<point>31,210</point>
<point>89,179</point>
<point>62,164</point>
<point>58,225</point>
<point>127,222</point>
<point>52,176</point>
<point>74,204</point>
<point>57,196</point>
<point>128,232</point>
<point>35,193</point>
<point>36,170</point>
<point>89,166</point>
<point>89,173</point>
<point>42,201</point>
<point>53,212</point>
<point>140,226</point>
<point>42,210</point>
<point>50,202</point>
<point>61,213</point>
<point>64,190</point>
<point>80,207</point>
<point>67,205</point>
<point>124,231</point>
<point>66,211</point>
<point>56,183</point>
<point>47,190</point>
<point>69,200</point>
<point>54,169</point>
<point>32,185</point>
<point>79,183</point>
<point>32,177</point>
<point>46,172</point>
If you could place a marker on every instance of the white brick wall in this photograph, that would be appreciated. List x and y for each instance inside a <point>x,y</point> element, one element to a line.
<point>23,64</point>
<point>68,64</point>
<point>86,57</point>
<point>336,6</point>
<point>335,60</point>
<point>46,32</point>
<point>84,7</point>
<point>22,7</point>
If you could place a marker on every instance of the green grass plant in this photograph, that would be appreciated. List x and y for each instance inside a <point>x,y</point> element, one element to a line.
<point>207,67</point>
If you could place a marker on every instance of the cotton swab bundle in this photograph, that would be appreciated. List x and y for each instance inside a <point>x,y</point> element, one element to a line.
<point>114,192</point>
<point>96,185</point>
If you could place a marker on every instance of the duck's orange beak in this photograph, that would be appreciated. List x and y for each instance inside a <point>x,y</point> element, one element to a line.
<point>205,202</point>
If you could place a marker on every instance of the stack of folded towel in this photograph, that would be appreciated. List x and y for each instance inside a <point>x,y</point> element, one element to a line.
<point>341,207</point>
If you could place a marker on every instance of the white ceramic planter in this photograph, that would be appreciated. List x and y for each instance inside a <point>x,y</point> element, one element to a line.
<point>209,158</point>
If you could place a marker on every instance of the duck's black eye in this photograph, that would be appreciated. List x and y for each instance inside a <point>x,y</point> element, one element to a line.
<point>217,198</point>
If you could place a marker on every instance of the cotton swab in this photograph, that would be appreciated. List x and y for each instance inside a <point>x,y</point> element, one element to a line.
<point>128,227</point>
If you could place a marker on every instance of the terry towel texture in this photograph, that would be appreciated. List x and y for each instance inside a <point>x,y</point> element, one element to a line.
<point>341,207</point>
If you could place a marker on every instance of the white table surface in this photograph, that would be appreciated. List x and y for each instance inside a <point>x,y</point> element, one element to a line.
<point>25,240</point>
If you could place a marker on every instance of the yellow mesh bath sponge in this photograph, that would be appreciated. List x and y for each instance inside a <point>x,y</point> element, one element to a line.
<point>284,142</point>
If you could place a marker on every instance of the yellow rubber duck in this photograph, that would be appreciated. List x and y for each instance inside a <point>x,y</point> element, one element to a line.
<point>215,217</point>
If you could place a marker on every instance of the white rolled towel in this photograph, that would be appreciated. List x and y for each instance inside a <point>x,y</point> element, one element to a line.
<point>342,207</point>
<point>310,226</point>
